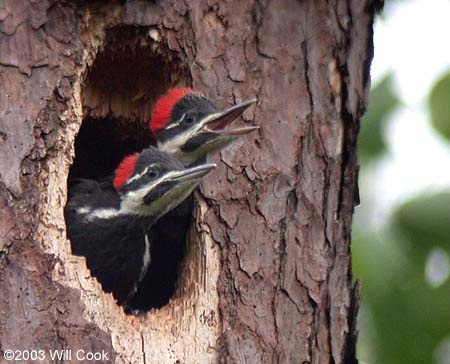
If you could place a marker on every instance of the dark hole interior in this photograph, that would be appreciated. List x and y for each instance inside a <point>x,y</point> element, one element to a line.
<point>118,94</point>
<point>102,143</point>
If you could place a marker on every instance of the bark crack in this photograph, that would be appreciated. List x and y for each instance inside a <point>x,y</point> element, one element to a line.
<point>143,347</point>
<point>304,46</point>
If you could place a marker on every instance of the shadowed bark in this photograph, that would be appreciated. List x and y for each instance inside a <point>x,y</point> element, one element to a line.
<point>267,277</point>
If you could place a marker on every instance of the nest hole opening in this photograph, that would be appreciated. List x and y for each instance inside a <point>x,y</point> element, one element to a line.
<point>118,93</point>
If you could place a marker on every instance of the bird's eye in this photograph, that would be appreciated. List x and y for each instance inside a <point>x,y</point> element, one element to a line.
<point>188,119</point>
<point>153,172</point>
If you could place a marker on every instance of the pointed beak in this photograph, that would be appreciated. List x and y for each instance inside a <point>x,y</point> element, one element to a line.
<point>236,132</point>
<point>217,122</point>
<point>192,173</point>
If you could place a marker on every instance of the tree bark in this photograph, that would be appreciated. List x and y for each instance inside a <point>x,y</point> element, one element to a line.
<point>267,277</point>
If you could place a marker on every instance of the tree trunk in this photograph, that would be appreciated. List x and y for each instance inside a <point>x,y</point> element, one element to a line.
<point>267,277</point>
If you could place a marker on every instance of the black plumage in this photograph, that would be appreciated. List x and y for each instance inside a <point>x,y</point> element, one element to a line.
<point>114,249</point>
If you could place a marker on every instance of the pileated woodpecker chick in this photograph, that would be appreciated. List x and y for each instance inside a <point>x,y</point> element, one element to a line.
<point>109,226</point>
<point>189,126</point>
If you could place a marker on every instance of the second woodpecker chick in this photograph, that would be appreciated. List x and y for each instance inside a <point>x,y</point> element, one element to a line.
<point>109,227</point>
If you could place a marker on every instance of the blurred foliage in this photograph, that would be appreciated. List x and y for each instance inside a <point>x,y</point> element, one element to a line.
<point>409,317</point>
<point>425,220</point>
<point>406,317</point>
<point>383,101</point>
<point>439,106</point>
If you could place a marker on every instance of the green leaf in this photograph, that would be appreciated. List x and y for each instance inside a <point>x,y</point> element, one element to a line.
<point>439,105</point>
<point>425,220</point>
<point>383,101</point>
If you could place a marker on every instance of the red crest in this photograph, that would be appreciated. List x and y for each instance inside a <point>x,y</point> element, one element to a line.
<point>164,106</point>
<point>124,170</point>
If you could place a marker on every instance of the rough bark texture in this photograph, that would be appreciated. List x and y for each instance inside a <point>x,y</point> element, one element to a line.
<point>268,275</point>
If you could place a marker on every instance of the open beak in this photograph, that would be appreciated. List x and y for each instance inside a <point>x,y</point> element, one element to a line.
<point>192,173</point>
<point>216,123</point>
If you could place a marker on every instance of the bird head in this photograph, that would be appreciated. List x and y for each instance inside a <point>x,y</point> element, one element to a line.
<point>152,182</point>
<point>189,126</point>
